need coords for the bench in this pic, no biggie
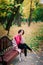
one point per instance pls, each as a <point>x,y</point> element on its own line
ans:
<point>7,54</point>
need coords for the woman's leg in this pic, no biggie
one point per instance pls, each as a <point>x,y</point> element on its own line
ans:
<point>20,57</point>
<point>22,46</point>
<point>25,52</point>
<point>27,47</point>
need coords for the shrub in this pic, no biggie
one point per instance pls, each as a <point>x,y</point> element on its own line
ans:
<point>38,14</point>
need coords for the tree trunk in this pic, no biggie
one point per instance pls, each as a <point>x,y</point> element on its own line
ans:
<point>9,23</point>
<point>18,16</point>
<point>8,33</point>
<point>30,16</point>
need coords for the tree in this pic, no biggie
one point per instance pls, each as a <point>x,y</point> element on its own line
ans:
<point>38,14</point>
<point>18,14</point>
<point>36,2</point>
<point>11,10</point>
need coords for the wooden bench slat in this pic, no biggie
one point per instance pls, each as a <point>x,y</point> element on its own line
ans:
<point>11,56</point>
<point>8,54</point>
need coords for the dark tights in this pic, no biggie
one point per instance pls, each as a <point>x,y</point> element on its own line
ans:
<point>25,47</point>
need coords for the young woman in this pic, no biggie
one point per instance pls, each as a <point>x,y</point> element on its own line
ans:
<point>20,42</point>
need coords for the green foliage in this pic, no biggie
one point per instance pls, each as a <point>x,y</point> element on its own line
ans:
<point>35,41</point>
<point>34,44</point>
<point>8,9</point>
<point>8,12</point>
<point>20,1</point>
<point>5,12</point>
<point>38,14</point>
<point>23,19</point>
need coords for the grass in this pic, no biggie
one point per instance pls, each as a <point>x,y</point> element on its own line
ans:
<point>33,34</point>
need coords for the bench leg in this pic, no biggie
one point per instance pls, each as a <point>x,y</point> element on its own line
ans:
<point>3,63</point>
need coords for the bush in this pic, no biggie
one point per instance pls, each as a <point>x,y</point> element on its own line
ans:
<point>38,14</point>
<point>34,44</point>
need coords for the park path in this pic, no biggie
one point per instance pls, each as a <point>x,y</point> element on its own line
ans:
<point>32,59</point>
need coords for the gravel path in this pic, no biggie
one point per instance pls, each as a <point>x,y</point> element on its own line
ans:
<point>32,59</point>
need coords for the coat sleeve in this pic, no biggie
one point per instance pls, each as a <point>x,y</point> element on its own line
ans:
<point>14,42</point>
<point>22,40</point>
<point>15,47</point>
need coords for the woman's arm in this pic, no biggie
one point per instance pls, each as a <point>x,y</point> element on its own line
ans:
<point>22,40</point>
<point>14,43</point>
